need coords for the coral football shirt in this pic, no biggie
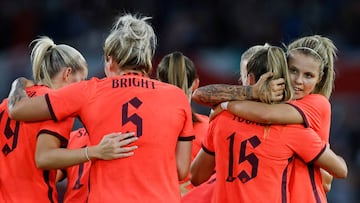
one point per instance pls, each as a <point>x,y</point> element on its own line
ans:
<point>20,179</point>
<point>253,161</point>
<point>306,182</point>
<point>158,113</point>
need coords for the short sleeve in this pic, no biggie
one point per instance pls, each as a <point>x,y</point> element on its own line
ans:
<point>304,142</point>
<point>69,100</point>
<point>60,130</point>
<point>316,111</point>
<point>208,140</point>
<point>187,133</point>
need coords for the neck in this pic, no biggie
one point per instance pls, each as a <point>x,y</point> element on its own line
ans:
<point>132,72</point>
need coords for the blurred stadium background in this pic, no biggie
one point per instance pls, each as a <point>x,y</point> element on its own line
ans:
<point>213,34</point>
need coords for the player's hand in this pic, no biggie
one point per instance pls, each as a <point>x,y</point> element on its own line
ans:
<point>256,94</point>
<point>116,145</point>
<point>277,87</point>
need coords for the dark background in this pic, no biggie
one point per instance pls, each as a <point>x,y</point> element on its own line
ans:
<point>213,34</point>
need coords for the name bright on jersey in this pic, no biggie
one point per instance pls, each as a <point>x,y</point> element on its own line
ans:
<point>133,82</point>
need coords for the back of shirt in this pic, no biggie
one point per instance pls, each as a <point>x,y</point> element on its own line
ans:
<point>20,179</point>
<point>158,113</point>
<point>253,161</point>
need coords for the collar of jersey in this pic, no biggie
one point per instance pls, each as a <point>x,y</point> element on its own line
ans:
<point>133,73</point>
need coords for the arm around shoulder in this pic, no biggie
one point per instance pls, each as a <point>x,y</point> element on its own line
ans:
<point>23,108</point>
<point>211,95</point>
<point>265,113</point>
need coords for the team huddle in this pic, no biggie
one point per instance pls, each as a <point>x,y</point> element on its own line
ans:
<point>265,140</point>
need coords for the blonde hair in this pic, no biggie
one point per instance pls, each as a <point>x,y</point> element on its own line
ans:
<point>178,70</point>
<point>245,58</point>
<point>252,50</point>
<point>272,59</point>
<point>323,50</point>
<point>48,59</point>
<point>132,43</point>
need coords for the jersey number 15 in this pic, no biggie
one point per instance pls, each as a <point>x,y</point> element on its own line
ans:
<point>251,158</point>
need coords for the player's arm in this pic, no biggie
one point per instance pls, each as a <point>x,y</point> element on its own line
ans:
<point>21,107</point>
<point>263,113</point>
<point>327,179</point>
<point>183,158</point>
<point>332,163</point>
<point>212,95</point>
<point>202,167</point>
<point>49,155</point>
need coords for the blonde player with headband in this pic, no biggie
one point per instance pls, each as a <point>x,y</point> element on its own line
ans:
<point>311,68</point>
<point>248,169</point>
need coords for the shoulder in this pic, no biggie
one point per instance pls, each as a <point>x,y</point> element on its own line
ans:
<point>84,86</point>
<point>202,117</point>
<point>313,101</point>
<point>176,93</point>
<point>37,90</point>
<point>91,81</point>
<point>224,116</point>
<point>168,86</point>
<point>314,98</point>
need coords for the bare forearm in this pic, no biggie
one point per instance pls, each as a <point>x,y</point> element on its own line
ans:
<point>62,158</point>
<point>201,168</point>
<point>212,95</point>
<point>113,146</point>
<point>343,173</point>
<point>183,158</point>
<point>265,113</point>
<point>332,163</point>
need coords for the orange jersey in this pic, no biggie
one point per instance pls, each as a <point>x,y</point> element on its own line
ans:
<point>158,113</point>
<point>78,175</point>
<point>20,179</point>
<point>306,182</point>
<point>253,159</point>
<point>200,130</point>
<point>201,193</point>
